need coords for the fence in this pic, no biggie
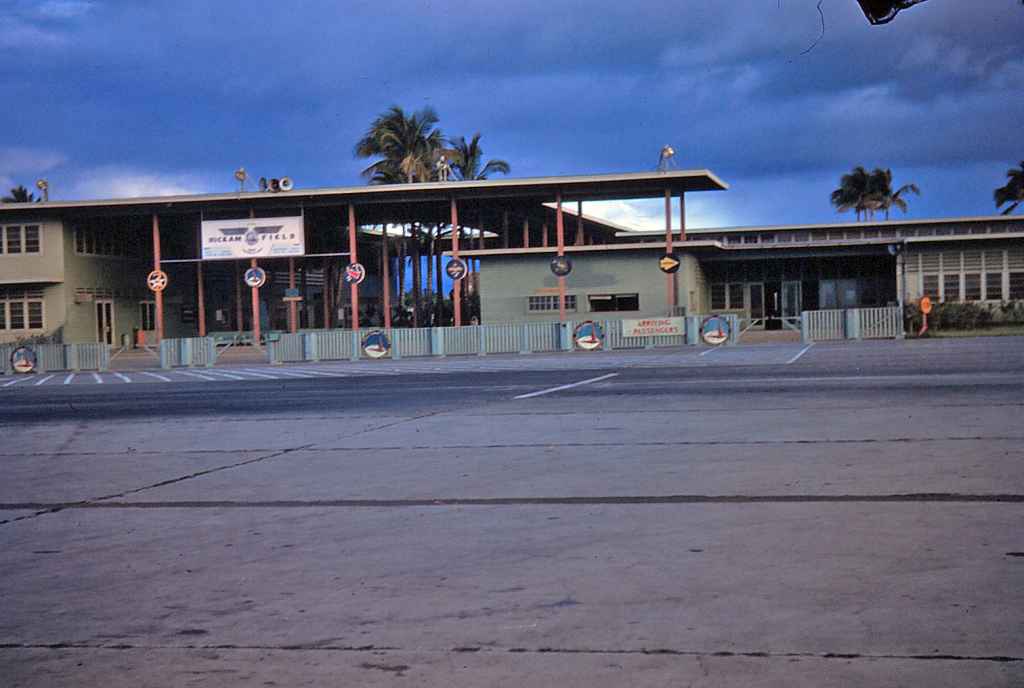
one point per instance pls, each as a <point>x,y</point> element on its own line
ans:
<point>54,357</point>
<point>852,323</point>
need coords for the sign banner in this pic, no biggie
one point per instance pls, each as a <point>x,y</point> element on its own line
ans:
<point>654,327</point>
<point>261,237</point>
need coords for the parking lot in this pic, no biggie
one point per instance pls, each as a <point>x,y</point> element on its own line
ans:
<point>782,515</point>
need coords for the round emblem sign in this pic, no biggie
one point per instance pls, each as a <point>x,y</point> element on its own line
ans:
<point>456,269</point>
<point>255,277</point>
<point>669,263</point>
<point>376,344</point>
<point>714,330</point>
<point>561,266</point>
<point>588,335</point>
<point>156,280</point>
<point>925,305</point>
<point>355,273</point>
<point>23,360</point>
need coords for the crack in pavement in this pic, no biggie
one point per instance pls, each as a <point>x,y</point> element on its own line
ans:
<point>321,647</point>
<point>913,497</point>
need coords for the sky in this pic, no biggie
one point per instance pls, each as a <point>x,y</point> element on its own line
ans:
<point>121,98</point>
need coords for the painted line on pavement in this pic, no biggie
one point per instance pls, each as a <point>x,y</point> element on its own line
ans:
<point>69,378</point>
<point>99,380</point>
<point>220,374</point>
<point>158,377</point>
<point>286,373</point>
<point>705,353</point>
<point>123,377</point>
<point>801,353</point>
<point>201,377</point>
<point>562,387</point>
<point>43,380</point>
<point>14,381</point>
<point>252,372</point>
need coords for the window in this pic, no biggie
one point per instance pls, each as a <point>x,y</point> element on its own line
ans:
<point>951,287</point>
<point>1016,285</point>
<point>994,286</point>
<point>736,300</point>
<point>147,314</point>
<point>540,304</point>
<point>21,309</point>
<point>32,239</point>
<point>717,297</point>
<point>13,239</point>
<point>972,287</point>
<point>91,241</point>
<point>614,302</point>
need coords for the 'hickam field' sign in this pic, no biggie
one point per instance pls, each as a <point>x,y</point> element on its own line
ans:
<point>654,327</point>
<point>261,237</point>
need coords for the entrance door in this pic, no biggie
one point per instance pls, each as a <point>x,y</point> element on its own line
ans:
<point>772,305</point>
<point>756,301</point>
<point>791,299</point>
<point>105,322</point>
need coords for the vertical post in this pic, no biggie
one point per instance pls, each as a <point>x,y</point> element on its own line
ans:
<point>201,295</point>
<point>544,235</point>
<point>579,223</point>
<point>504,228</point>
<point>255,310</point>
<point>670,281</point>
<point>560,239</point>
<point>293,306</point>
<point>238,297</point>
<point>158,295</point>
<point>526,232</point>
<point>353,258</point>
<point>386,279</point>
<point>682,216</point>
<point>457,287</point>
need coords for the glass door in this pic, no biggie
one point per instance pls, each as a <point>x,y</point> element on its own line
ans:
<point>105,322</point>
<point>756,301</point>
<point>790,299</point>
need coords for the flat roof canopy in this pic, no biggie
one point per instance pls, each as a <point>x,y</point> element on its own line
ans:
<point>397,202</point>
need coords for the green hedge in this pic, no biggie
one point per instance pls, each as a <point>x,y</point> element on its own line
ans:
<point>966,316</point>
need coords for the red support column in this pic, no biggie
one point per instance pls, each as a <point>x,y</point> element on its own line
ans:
<point>526,232</point>
<point>353,258</point>
<point>504,228</point>
<point>457,288</point>
<point>201,294</point>
<point>158,295</point>
<point>239,318</point>
<point>255,310</point>
<point>670,280</point>
<point>579,223</point>
<point>560,239</point>
<point>293,306</point>
<point>386,279</point>
<point>544,239</point>
<point>682,216</point>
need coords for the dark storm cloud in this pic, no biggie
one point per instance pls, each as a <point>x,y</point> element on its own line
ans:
<point>196,88</point>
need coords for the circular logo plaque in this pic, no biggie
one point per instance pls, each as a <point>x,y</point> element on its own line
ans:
<point>355,273</point>
<point>588,335</point>
<point>156,280</point>
<point>715,330</point>
<point>255,277</point>
<point>376,344</point>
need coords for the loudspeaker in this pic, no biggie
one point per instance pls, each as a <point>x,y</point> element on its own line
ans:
<point>286,184</point>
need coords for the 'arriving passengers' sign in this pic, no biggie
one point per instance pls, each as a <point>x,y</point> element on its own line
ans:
<point>653,327</point>
<point>261,237</point>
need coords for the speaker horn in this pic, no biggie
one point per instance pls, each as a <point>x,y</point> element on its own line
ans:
<point>287,184</point>
<point>275,184</point>
<point>263,184</point>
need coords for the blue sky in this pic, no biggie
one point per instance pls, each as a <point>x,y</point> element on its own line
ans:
<point>109,98</point>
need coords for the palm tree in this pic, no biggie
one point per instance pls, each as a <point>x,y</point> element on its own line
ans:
<point>853,191</point>
<point>19,194</point>
<point>405,144</point>
<point>1013,192</point>
<point>468,158</point>
<point>881,194</point>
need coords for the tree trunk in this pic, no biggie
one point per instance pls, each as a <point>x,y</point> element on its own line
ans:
<point>430,271</point>
<point>402,247</point>
<point>439,276</point>
<point>416,275</point>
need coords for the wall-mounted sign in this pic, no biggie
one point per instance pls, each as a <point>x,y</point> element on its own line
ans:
<point>654,327</point>
<point>355,273</point>
<point>156,280</point>
<point>715,330</point>
<point>23,360</point>
<point>265,237</point>
<point>255,277</point>
<point>588,335</point>
<point>561,266</point>
<point>925,305</point>
<point>292,295</point>
<point>669,263</point>
<point>376,344</point>
<point>456,269</point>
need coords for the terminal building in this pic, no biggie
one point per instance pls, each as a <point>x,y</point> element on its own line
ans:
<point>76,271</point>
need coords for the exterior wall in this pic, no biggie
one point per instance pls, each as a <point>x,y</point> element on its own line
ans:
<point>692,285</point>
<point>946,272</point>
<point>507,282</point>
<point>43,271</point>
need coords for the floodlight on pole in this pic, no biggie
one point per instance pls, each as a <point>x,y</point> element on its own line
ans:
<point>44,187</point>
<point>241,175</point>
<point>666,159</point>
<point>884,11</point>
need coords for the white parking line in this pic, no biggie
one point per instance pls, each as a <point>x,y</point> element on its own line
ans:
<point>14,381</point>
<point>253,372</point>
<point>569,386</point>
<point>219,373</point>
<point>705,353</point>
<point>43,380</point>
<point>99,380</point>
<point>158,377</point>
<point>801,353</point>
<point>304,372</point>
<point>289,373</point>
<point>201,377</point>
<point>69,378</point>
<point>123,377</point>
